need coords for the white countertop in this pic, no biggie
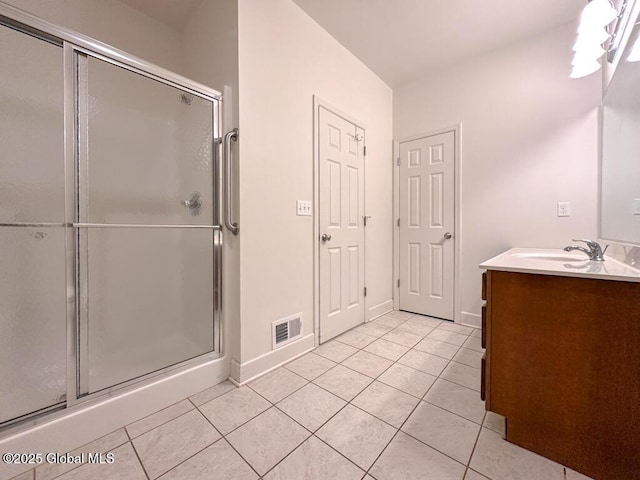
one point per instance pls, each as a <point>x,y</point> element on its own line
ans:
<point>551,261</point>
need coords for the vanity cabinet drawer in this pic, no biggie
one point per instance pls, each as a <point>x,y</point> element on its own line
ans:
<point>484,285</point>
<point>484,326</point>
<point>483,378</point>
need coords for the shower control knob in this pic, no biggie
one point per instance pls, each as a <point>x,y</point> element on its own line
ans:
<point>193,203</point>
<point>326,237</point>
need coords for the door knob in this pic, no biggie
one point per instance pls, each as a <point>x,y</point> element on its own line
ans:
<point>326,237</point>
<point>447,236</point>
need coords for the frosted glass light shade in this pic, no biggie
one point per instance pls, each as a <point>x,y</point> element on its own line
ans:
<point>584,66</point>
<point>583,59</point>
<point>590,50</point>
<point>634,56</point>
<point>597,13</point>
<point>588,39</point>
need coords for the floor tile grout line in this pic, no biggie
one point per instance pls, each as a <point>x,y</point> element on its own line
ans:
<point>475,444</point>
<point>224,437</point>
<point>240,455</point>
<point>135,451</point>
<point>345,358</point>
<point>377,378</point>
<point>313,433</point>
<point>453,413</point>
<point>189,458</point>
<point>313,381</point>
<point>190,397</point>
<point>423,399</point>
<point>344,399</point>
<point>243,423</point>
<point>196,453</point>
<point>82,446</point>
<point>440,451</point>
<point>248,385</point>
<point>378,418</point>
<point>158,411</point>
<point>399,429</point>
<point>288,454</point>
<point>157,426</point>
<point>341,454</point>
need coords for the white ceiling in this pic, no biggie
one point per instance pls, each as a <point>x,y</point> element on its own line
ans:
<point>174,13</point>
<point>403,40</point>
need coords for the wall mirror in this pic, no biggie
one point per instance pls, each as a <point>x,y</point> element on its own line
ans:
<point>620,188</point>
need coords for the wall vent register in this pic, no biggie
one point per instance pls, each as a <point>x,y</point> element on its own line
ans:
<point>286,330</point>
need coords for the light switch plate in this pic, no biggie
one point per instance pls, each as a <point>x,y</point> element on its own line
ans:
<point>303,208</point>
<point>564,209</point>
<point>636,206</point>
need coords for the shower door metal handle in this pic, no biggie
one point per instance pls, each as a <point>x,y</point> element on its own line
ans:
<point>228,191</point>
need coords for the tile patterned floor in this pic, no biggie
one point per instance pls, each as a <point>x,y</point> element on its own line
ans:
<point>397,398</point>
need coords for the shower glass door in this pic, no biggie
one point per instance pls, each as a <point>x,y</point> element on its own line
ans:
<point>146,224</point>
<point>33,323</point>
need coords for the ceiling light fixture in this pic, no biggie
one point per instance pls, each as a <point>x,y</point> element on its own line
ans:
<point>634,56</point>
<point>592,34</point>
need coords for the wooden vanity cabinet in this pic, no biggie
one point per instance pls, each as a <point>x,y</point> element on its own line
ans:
<point>562,364</point>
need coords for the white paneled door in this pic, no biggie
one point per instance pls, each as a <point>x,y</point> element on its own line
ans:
<point>426,225</point>
<point>341,232</point>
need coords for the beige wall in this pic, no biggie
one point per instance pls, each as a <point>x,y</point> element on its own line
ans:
<point>114,23</point>
<point>286,59</point>
<point>210,44</point>
<point>529,140</point>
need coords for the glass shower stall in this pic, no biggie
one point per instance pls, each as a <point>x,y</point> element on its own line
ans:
<point>110,239</point>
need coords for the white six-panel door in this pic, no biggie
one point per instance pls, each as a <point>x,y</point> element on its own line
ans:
<point>426,196</point>
<point>341,233</point>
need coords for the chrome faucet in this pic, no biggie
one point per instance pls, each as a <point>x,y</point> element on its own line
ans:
<point>594,250</point>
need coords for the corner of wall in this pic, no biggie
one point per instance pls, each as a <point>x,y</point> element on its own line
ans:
<point>242,373</point>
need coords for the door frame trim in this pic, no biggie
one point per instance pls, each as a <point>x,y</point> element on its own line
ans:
<point>457,137</point>
<point>317,103</point>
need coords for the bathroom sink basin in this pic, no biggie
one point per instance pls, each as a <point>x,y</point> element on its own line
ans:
<point>555,261</point>
<point>550,257</point>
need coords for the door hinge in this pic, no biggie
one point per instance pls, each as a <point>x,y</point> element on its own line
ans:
<point>366,217</point>
<point>398,222</point>
<point>365,150</point>
<point>398,161</point>
<point>365,291</point>
<point>398,283</point>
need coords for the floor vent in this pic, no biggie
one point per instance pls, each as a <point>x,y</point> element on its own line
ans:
<point>286,330</point>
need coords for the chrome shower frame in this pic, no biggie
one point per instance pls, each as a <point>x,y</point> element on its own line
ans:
<point>75,45</point>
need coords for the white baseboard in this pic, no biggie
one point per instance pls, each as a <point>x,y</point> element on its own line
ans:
<point>471,319</point>
<point>81,424</point>
<point>379,310</point>
<point>247,371</point>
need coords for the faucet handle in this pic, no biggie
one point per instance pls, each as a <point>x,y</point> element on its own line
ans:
<point>595,250</point>
<point>590,243</point>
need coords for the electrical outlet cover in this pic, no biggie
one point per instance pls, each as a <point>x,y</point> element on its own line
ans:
<point>564,209</point>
